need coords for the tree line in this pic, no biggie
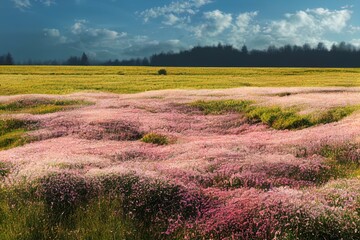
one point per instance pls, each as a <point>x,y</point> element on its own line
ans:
<point>339,55</point>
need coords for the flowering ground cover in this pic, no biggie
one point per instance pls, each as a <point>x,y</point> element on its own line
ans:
<point>187,164</point>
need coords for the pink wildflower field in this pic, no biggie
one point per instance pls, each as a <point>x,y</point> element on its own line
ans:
<point>245,180</point>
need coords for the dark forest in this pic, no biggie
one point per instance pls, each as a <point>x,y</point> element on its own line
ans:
<point>339,55</point>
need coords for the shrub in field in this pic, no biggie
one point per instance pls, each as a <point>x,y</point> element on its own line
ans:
<point>162,72</point>
<point>155,138</point>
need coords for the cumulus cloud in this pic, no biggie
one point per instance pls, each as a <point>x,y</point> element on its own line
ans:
<point>308,26</point>
<point>22,4</point>
<point>55,35</point>
<point>244,29</point>
<point>244,21</point>
<point>47,2</point>
<point>81,31</point>
<point>104,43</point>
<point>25,4</point>
<point>216,23</point>
<point>300,27</point>
<point>176,21</point>
<point>174,9</point>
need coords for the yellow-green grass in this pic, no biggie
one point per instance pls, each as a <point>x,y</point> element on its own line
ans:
<point>39,106</point>
<point>275,117</point>
<point>65,79</point>
<point>13,131</point>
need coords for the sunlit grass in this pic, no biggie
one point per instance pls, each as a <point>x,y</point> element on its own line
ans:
<point>39,106</point>
<point>275,117</point>
<point>155,138</point>
<point>63,80</point>
<point>13,131</point>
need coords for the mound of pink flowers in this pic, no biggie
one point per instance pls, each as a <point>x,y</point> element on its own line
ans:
<point>219,176</point>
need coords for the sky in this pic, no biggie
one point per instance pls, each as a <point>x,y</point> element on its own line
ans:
<point>123,29</point>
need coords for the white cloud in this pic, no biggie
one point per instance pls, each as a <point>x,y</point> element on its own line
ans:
<point>54,34</point>
<point>22,4</point>
<point>244,29</point>
<point>355,42</point>
<point>171,19</point>
<point>25,4</point>
<point>308,26</point>
<point>104,43</point>
<point>174,8</point>
<point>216,22</point>
<point>244,20</point>
<point>353,29</point>
<point>83,32</point>
<point>300,27</point>
<point>47,2</point>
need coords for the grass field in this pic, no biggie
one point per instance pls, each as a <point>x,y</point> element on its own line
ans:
<point>281,161</point>
<point>63,80</point>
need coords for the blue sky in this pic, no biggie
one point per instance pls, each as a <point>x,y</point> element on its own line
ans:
<point>54,29</point>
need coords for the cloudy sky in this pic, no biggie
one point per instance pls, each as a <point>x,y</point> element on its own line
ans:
<point>54,29</point>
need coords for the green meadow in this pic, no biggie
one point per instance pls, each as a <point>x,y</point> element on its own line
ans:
<point>64,79</point>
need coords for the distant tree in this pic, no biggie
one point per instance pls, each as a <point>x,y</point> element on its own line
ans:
<point>9,59</point>
<point>272,49</point>
<point>6,59</point>
<point>84,60</point>
<point>321,47</point>
<point>145,62</point>
<point>306,47</point>
<point>73,60</point>
<point>244,50</point>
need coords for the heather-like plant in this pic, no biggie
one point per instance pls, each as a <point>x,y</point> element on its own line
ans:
<point>152,202</point>
<point>155,138</point>
<point>348,153</point>
<point>64,192</point>
<point>112,130</point>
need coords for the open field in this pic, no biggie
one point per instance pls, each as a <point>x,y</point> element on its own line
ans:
<point>65,80</point>
<point>242,163</point>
